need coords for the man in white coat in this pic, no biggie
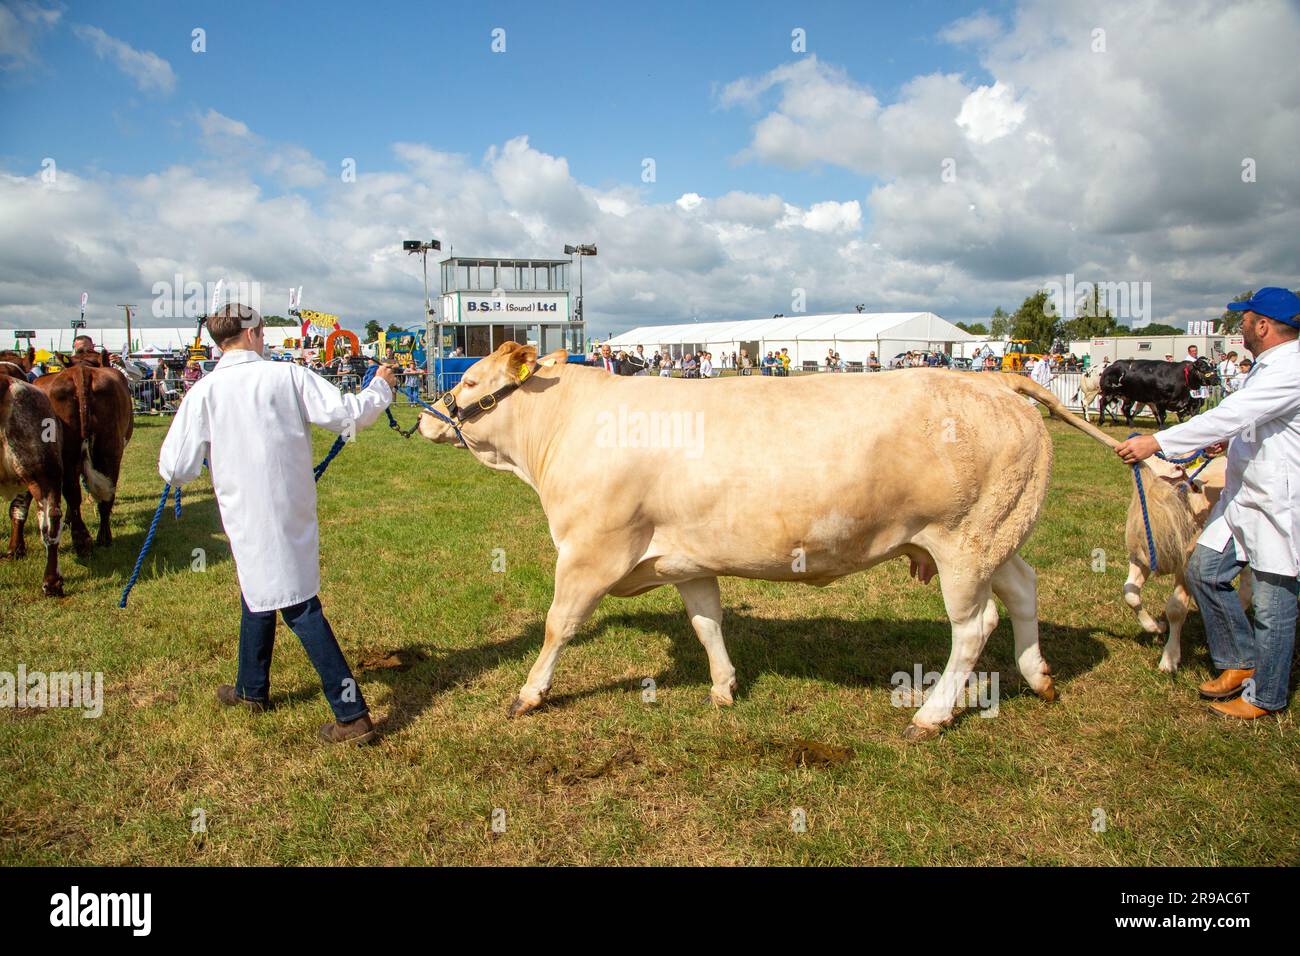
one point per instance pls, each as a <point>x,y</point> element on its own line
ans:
<point>1257,519</point>
<point>251,419</point>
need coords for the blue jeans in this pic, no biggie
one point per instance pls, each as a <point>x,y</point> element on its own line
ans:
<point>1235,642</point>
<point>307,620</point>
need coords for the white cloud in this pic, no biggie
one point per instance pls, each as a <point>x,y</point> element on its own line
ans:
<point>22,24</point>
<point>990,113</point>
<point>977,28</point>
<point>150,72</point>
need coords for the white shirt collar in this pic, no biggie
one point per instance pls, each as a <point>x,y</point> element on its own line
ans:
<point>1263,358</point>
<point>238,357</point>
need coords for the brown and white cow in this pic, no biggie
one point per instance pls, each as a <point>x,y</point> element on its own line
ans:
<point>31,464</point>
<point>94,406</point>
<point>804,479</point>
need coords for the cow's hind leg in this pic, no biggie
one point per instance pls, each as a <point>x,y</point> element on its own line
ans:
<point>18,524</point>
<point>1016,584</point>
<point>967,600</point>
<point>1176,612</point>
<point>51,522</point>
<point>703,603</point>
<point>81,540</point>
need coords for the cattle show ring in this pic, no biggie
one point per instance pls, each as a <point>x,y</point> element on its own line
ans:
<point>994,680</point>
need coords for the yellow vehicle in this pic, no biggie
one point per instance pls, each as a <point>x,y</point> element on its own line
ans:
<point>1018,355</point>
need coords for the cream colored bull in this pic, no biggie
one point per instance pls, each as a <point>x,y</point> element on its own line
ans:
<point>649,481</point>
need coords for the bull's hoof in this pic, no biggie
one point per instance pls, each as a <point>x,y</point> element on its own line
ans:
<point>720,695</point>
<point>520,706</point>
<point>83,547</point>
<point>915,733</point>
<point>53,588</point>
<point>1048,693</point>
<point>1168,665</point>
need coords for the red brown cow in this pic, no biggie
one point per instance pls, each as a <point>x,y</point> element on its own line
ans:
<point>31,463</point>
<point>94,405</point>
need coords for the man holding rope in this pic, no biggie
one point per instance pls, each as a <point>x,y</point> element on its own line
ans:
<point>251,419</point>
<point>1257,517</point>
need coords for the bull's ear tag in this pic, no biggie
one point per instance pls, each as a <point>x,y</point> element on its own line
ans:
<point>524,371</point>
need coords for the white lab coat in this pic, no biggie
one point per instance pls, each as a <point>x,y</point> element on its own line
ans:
<point>1259,509</point>
<point>251,419</point>
<point>1042,373</point>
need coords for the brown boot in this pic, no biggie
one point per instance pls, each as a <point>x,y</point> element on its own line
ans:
<point>1239,708</point>
<point>226,694</point>
<point>359,731</point>
<point>1228,684</point>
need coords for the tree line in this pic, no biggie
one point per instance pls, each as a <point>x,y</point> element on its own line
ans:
<point>1036,321</point>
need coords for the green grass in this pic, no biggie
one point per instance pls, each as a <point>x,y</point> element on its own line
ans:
<point>598,776</point>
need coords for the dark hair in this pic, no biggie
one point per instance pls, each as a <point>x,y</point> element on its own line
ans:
<point>227,322</point>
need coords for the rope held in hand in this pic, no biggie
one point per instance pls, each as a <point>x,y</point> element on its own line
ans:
<point>1142,495</point>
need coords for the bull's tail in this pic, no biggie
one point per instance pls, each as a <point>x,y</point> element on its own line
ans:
<point>1031,389</point>
<point>100,486</point>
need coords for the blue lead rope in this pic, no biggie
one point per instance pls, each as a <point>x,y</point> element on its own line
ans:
<point>1142,496</point>
<point>148,539</point>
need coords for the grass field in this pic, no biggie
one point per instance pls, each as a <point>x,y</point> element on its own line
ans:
<point>441,643</point>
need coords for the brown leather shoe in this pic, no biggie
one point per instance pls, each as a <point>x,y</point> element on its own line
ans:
<point>1239,708</point>
<point>359,731</point>
<point>1228,684</point>
<point>226,694</point>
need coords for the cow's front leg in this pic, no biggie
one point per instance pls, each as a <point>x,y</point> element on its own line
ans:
<point>578,589</point>
<point>1176,613</point>
<point>703,603</point>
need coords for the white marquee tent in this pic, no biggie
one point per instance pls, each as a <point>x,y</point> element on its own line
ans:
<point>142,338</point>
<point>808,337</point>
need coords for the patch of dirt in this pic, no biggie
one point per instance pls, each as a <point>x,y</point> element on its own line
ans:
<point>555,772</point>
<point>399,660</point>
<point>811,753</point>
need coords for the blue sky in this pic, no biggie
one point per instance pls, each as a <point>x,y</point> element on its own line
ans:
<point>604,85</point>
<point>925,156</point>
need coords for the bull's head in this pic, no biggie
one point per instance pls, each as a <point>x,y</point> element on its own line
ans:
<point>1205,368</point>
<point>510,364</point>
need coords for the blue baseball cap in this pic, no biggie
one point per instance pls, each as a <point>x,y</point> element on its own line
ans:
<point>1282,305</point>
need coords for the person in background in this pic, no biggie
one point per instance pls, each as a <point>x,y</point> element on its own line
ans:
<point>1254,524</point>
<point>251,419</point>
<point>745,361</point>
<point>785,361</point>
<point>1227,368</point>
<point>706,365</point>
<point>1192,354</point>
<point>192,373</point>
<point>607,361</point>
<point>83,344</point>
<point>873,363</point>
